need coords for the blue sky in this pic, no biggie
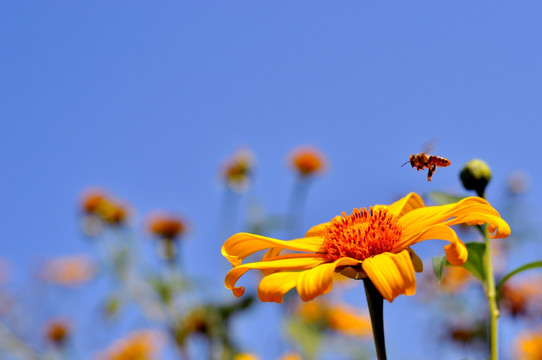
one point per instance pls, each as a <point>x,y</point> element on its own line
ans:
<point>146,99</point>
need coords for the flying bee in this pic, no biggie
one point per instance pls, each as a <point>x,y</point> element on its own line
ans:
<point>421,161</point>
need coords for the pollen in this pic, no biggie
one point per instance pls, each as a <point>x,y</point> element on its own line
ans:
<point>361,235</point>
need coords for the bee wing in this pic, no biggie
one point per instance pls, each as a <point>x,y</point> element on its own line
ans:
<point>430,145</point>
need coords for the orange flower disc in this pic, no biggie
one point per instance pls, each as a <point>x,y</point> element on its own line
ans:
<point>307,161</point>
<point>166,227</point>
<point>361,235</point>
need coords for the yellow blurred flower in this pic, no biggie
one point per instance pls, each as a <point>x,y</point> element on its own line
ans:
<point>372,243</point>
<point>237,171</point>
<point>529,346</point>
<point>57,332</point>
<point>307,161</point>
<point>139,345</point>
<point>69,270</point>
<point>246,356</point>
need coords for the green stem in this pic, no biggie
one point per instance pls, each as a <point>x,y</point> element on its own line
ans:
<point>375,302</point>
<point>492,299</point>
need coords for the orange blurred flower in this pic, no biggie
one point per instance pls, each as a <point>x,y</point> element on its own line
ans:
<point>96,202</point>
<point>139,345</point>
<point>307,161</point>
<point>57,332</point>
<point>237,171</point>
<point>291,356</point>
<point>455,278</point>
<point>166,226</point>
<point>339,317</point>
<point>246,356</point>
<point>372,243</point>
<point>529,346</point>
<point>523,297</point>
<point>69,270</point>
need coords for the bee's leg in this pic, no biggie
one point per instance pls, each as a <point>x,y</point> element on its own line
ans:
<point>430,172</point>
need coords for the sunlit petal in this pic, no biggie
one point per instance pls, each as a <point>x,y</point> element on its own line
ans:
<point>319,280</point>
<point>391,274</point>
<point>241,245</point>
<point>456,251</point>
<point>284,262</point>
<point>406,204</point>
<point>273,287</point>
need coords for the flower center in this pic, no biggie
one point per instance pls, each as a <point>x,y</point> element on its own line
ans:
<point>361,235</point>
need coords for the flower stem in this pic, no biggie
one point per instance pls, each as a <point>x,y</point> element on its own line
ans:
<point>375,302</point>
<point>492,299</point>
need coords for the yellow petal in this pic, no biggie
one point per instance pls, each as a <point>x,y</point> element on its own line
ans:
<point>392,274</point>
<point>497,227</point>
<point>456,251</point>
<point>477,209</point>
<point>408,203</point>
<point>319,280</point>
<point>284,262</point>
<point>241,245</point>
<point>273,287</point>
<point>316,230</point>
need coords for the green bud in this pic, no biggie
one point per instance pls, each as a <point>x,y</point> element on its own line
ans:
<point>475,176</point>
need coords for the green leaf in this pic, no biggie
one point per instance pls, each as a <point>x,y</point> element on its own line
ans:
<point>536,264</point>
<point>475,262</point>
<point>442,198</point>
<point>438,266</point>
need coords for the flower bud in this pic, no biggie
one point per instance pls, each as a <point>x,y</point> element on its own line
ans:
<point>475,176</point>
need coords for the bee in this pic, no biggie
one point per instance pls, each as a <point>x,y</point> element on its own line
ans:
<point>421,161</point>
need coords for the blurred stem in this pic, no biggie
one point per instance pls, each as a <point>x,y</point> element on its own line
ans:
<point>13,341</point>
<point>375,301</point>
<point>492,299</point>
<point>296,208</point>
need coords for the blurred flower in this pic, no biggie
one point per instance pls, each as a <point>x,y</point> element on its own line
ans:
<point>96,202</point>
<point>92,199</point>
<point>291,356</point>
<point>246,356</point>
<point>370,243</point>
<point>523,298</point>
<point>57,332</point>
<point>139,345</point>
<point>237,171</point>
<point>529,346</point>
<point>337,317</point>
<point>455,278</point>
<point>471,333</point>
<point>68,271</point>
<point>307,161</point>
<point>166,226</point>
<point>518,182</point>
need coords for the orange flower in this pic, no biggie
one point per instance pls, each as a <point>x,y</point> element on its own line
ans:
<point>69,271</point>
<point>57,332</point>
<point>96,202</point>
<point>291,356</point>
<point>238,170</point>
<point>338,317</point>
<point>521,297</point>
<point>246,356</point>
<point>166,226</point>
<point>307,161</point>
<point>529,346</point>
<point>140,345</point>
<point>372,243</point>
<point>455,278</point>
